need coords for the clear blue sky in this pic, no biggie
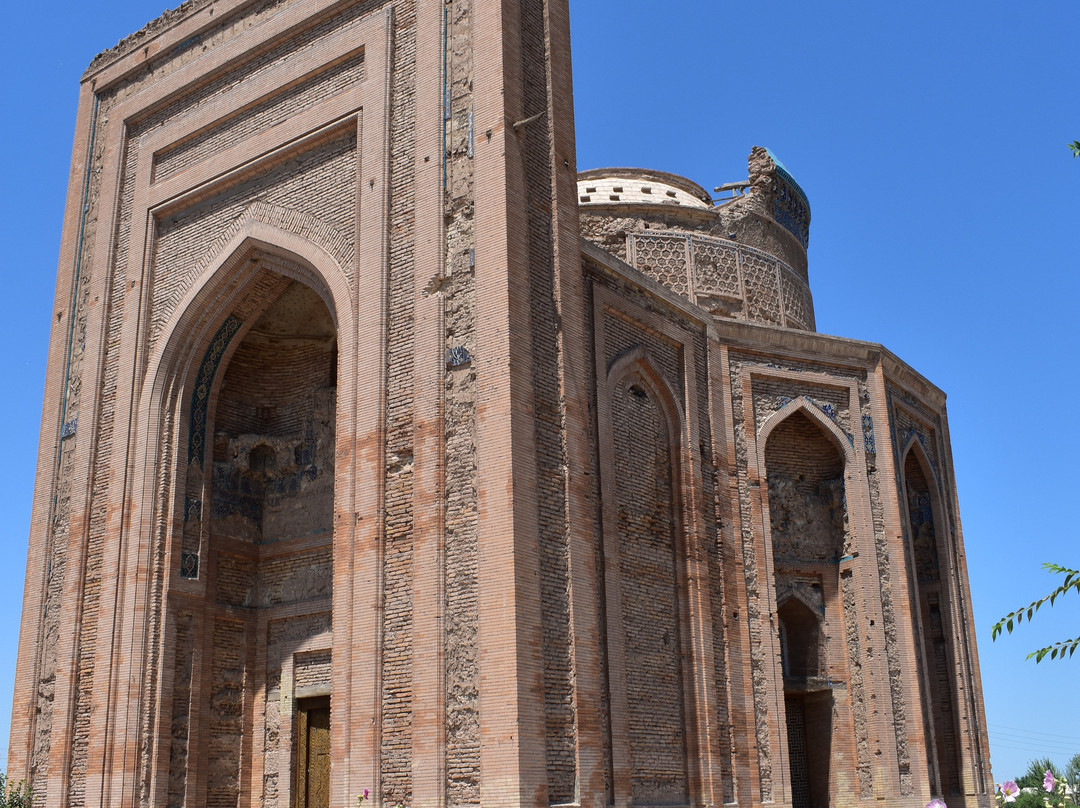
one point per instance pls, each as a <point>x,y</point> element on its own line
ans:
<point>930,139</point>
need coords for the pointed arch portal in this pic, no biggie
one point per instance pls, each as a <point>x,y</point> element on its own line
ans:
<point>249,588</point>
<point>808,524</point>
<point>932,607</point>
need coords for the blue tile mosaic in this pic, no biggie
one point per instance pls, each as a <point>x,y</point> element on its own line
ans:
<point>457,356</point>
<point>791,207</point>
<point>200,399</point>
<point>868,434</point>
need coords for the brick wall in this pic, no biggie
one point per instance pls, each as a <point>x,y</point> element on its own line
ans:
<point>651,620</point>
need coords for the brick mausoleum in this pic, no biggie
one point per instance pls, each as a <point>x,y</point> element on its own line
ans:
<point>383,450</point>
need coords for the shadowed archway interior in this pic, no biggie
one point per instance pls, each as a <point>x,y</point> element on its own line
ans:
<point>808,516</point>
<point>254,619</point>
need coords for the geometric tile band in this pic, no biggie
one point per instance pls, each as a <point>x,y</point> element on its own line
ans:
<point>201,397</point>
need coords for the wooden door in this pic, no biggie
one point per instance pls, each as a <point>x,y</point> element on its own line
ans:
<point>313,754</point>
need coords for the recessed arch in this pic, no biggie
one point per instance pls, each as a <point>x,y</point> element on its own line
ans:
<point>797,594</point>
<point>644,552</point>
<point>637,360</point>
<point>932,603</point>
<point>254,270</point>
<point>803,405</point>
<point>805,461</point>
<point>206,302</point>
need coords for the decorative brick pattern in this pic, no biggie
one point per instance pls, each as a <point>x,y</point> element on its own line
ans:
<point>201,397</point>
<point>665,259</point>
<point>760,277</point>
<point>727,278</point>
<point>235,129</point>
<point>319,183</point>
<point>792,209</point>
<point>796,728</point>
<point>716,268</point>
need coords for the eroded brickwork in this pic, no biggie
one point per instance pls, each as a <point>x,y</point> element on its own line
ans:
<point>759,662</point>
<point>226,725</point>
<point>181,707</point>
<point>462,675</point>
<point>398,564</point>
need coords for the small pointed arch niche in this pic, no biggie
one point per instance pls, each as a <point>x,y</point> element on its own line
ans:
<point>923,511</point>
<point>802,637</point>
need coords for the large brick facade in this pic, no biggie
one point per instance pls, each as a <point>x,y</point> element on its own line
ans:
<point>384,452</point>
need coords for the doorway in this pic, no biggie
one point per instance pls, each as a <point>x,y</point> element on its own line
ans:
<point>313,753</point>
<point>796,728</point>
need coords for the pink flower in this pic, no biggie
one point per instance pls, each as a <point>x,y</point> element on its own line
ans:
<point>1009,790</point>
<point>365,793</point>
<point>1049,782</point>
<point>936,804</point>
